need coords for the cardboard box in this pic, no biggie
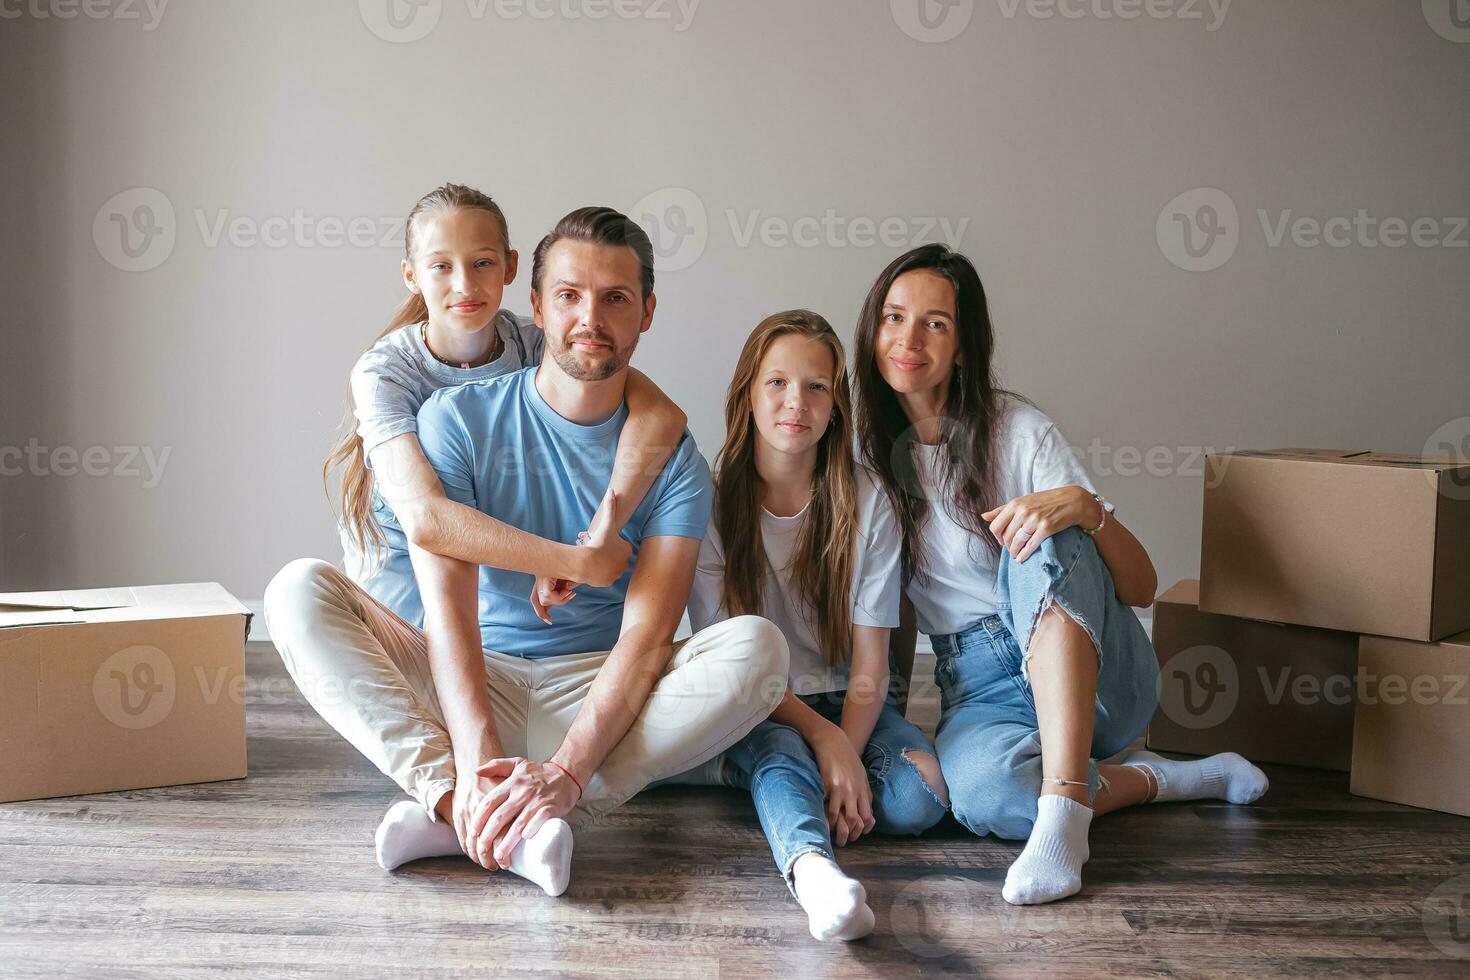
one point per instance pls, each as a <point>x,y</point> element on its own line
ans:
<point>109,689</point>
<point>1413,726</point>
<point>1270,691</point>
<point>1355,541</point>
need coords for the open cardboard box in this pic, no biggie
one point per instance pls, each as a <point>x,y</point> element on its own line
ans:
<point>110,689</point>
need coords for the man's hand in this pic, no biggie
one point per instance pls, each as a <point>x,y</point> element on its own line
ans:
<point>845,779</point>
<point>525,795</point>
<point>470,791</point>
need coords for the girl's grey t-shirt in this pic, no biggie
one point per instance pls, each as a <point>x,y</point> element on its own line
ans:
<point>390,383</point>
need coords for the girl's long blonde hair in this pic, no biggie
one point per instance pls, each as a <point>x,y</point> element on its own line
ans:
<point>357,480</point>
<point>825,555</point>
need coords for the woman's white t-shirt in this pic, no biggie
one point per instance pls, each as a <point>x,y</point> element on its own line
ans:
<point>875,585</point>
<point>958,588</point>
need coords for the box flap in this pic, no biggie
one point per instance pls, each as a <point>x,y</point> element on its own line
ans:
<point>1185,592</point>
<point>1356,457</point>
<point>120,605</point>
<point>69,599</point>
<point>13,616</point>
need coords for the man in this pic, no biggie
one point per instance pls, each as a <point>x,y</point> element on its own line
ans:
<point>501,724</point>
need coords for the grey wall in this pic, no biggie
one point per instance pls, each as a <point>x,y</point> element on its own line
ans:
<point>1057,140</point>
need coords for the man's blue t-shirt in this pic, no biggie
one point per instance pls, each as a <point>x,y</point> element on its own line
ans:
<point>499,448</point>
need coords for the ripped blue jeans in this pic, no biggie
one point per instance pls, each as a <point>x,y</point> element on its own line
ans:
<point>778,767</point>
<point>988,739</point>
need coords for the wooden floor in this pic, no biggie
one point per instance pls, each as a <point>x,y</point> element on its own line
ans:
<point>274,876</point>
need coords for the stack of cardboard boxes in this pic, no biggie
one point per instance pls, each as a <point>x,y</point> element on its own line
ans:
<point>1330,626</point>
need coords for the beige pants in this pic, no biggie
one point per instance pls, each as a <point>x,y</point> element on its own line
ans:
<point>366,672</point>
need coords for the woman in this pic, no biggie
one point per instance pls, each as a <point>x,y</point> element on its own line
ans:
<point>1022,576</point>
<point>801,536</point>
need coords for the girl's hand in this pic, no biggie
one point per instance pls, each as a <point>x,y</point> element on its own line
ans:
<point>1025,522</point>
<point>845,779</point>
<point>608,552</point>
<point>470,792</point>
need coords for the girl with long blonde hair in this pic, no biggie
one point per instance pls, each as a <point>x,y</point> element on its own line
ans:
<point>803,537</point>
<point>451,330</point>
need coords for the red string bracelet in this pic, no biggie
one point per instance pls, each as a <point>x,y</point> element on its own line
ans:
<point>553,762</point>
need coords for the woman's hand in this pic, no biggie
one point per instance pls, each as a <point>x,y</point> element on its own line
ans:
<point>845,779</point>
<point>1025,522</point>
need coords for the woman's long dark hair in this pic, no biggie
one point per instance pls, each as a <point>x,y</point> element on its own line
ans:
<point>972,407</point>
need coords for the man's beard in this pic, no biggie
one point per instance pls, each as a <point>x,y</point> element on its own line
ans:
<point>566,358</point>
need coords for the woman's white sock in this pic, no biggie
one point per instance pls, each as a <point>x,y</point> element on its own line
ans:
<point>1050,866</point>
<point>836,906</point>
<point>1226,776</point>
<point>408,834</point>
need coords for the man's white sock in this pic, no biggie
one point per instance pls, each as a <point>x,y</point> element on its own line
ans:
<point>408,834</point>
<point>836,906</point>
<point>1050,865</point>
<point>1226,776</point>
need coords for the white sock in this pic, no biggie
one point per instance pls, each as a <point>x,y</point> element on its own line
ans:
<point>836,906</point>
<point>1226,776</point>
<point>1050,866</point>
<point>407,834</point>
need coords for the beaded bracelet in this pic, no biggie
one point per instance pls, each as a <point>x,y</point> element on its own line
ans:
<point>1103,506</point>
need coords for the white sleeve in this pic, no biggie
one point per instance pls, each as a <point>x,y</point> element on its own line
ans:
<point>709,583</point>
<point>1055,465</point>
<point>876,586</point>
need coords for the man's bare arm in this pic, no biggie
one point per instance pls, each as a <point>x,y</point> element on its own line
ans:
<point>657,595</point>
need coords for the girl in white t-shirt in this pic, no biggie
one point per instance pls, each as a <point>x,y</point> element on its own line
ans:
<point>451,330</point>
<point>1022,577</point>
<point>803,537</point>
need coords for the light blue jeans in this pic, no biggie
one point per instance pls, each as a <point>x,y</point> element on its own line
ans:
<point>778,767</point>
<point>988,740</point>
